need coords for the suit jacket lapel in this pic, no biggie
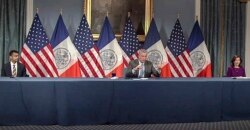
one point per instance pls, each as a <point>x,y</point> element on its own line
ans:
<point>18,69</point>
<point>146,68</point>
<point>136,64</point>
<point>8,69</point>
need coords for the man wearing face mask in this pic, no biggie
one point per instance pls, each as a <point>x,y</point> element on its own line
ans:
<point>141,67</point>
<point>13,68</point>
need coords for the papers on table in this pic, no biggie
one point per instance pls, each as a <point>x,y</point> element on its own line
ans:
<point>240,77</point>
<point>140,79</point>
<point>114,77</point>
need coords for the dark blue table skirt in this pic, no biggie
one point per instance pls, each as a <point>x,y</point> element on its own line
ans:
<point>83,102</point>
<point>45,101</point>
<point>236,100</point>
<point>161,102</point>
<point>27,102</point>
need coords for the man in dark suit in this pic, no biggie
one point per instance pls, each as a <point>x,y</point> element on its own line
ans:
<point>13,68</point>
<point>142,68</point>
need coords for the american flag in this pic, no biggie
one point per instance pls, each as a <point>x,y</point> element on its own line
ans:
<point>37,54</point>
<point>129,43</point>
<point>90,60</point>
<point>179,57</point>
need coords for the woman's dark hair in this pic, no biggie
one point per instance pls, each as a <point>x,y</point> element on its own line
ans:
<point>12,51</point>
<point>234,58</point>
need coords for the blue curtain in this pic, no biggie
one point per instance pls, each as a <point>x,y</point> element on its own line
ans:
<point>223,25</point>
<point>12,27</point>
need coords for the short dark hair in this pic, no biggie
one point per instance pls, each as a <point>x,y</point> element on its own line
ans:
<point>234,58</point>
<point>13,51</point>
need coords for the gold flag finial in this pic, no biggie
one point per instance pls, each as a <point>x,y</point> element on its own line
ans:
<point>129,14</point>
<point>196,18</point>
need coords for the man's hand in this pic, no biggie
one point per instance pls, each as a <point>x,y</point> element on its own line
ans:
<point>137,67</point>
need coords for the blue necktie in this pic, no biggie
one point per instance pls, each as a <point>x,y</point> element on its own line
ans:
<point>141,71</point>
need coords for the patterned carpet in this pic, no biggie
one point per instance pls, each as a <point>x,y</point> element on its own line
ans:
<point>232,125</point>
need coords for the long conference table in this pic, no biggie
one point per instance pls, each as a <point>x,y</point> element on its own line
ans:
<point>68,101</point>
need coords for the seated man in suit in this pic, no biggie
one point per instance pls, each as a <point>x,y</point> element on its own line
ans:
<point>13,68</point>
<point>141,67</point>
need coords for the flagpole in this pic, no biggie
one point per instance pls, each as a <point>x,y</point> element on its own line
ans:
<point>196,17</point>
<point>153,14</point>
<point>37,10</point>
<point>129,14</point>
<point>178,15</point>
<point>61,12</point>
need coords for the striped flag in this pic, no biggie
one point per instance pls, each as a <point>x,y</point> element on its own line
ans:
<point>65,52</point>
<point>110,51</point>
<point>156,52</point>
<point>200,56</point>
<point>90,61</point>
<point>129,43</point>
<point>37,54</point>
<point>178,56</point>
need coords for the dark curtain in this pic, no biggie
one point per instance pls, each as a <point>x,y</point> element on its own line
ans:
<point>12,27</point>
<point>223,25</point>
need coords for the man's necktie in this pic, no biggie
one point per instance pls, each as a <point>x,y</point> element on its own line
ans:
<point>14,73</point>
<point>141,71</point>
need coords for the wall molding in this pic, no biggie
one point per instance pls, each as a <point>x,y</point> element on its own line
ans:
<point>29,15</point>
<point>197,10</point>
<point>247,45</point>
